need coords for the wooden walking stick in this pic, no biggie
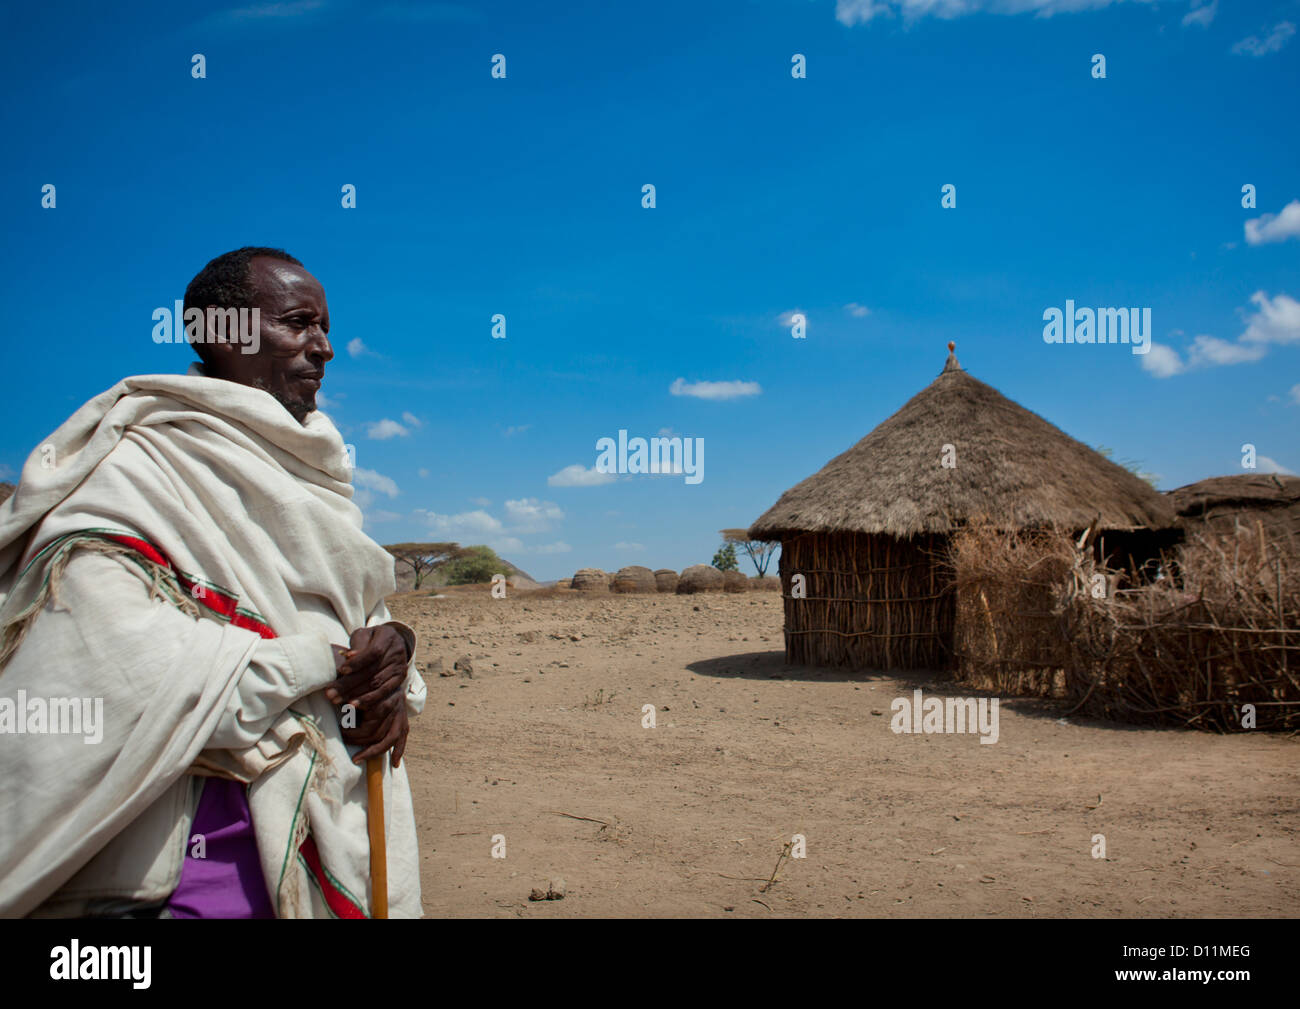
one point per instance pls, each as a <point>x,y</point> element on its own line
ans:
<point>378,851</point>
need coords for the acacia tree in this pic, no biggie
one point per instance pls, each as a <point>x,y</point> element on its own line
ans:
<point>422,558</point>
<point>758,551</point>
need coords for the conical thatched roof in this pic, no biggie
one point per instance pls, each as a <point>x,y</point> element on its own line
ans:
<point>1224,502</point>
<point>1012,467</point>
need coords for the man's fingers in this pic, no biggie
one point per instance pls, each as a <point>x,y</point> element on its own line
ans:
<point>373,721</point>
<point>370,732</point>
<point>394,738</point>
<point>355,686</point>
<point>392,686</point>
<point>383,746</point>
<point>377,645</point>
<point>400,748</point>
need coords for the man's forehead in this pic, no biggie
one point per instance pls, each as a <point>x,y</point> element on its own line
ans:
<point>277,279</point>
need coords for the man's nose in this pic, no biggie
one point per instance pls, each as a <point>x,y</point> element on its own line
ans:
<point>320,346</point>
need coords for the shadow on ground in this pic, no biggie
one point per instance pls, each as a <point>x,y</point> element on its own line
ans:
<point>771,665</point>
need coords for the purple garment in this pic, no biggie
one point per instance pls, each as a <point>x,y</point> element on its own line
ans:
<point>228,883</point>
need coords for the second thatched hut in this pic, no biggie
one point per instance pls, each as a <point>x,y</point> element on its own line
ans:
<point>1267,503</point>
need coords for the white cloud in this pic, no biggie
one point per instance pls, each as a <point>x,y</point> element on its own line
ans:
<point>1276,320</point>
<point>853,12</point>
<point>482,502</point>
<point>629,546</point>
<point>1274,227</point>
<point>856,310</point>
<point>517,429</point>
<point>1163,361</point>
<point>375,481</point>
<point>356,348</point>
<point>522,517</point>
<point>578,475</point>
<point>384,429</point>
<point>714,390</point>
<point>424,473</point>
<point>412,420</point>
<point>382,516</point>
<point>462,525</point>
<point>1266,465</point>
<point>1271,43</point>
<point>1208,351</point>
<point>1201,13</point>
<point>1205,352</point>
<point>529,515</point>
<point>5,472</point>
<point>324,402</point>
<point>1295,397</point>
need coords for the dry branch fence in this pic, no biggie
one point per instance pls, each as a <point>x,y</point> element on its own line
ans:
<point>1218,629</point>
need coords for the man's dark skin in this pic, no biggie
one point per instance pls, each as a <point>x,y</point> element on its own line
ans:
<point>290,365</point>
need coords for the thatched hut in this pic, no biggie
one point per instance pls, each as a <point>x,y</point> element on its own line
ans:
<point>699,578</point>
<point>734,581</point>
<point>590,580</point>
<point>634,578</point>
<point>1252,501</point>
<point>666,580</point>
<point>868,532</point>
<point>6,491</point>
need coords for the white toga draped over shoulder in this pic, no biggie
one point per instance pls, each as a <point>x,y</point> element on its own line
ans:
<point>235,527</point>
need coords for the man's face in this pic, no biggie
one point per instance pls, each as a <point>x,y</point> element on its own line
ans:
<point>290,361</point>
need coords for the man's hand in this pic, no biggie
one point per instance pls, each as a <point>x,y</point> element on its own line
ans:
<point>372,678</point>
<point>378,732</point>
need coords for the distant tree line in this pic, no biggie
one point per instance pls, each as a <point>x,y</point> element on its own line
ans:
<point>459,565</point>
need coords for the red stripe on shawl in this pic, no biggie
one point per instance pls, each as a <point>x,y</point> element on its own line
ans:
<point>338,903</point>
<point>219,602</point>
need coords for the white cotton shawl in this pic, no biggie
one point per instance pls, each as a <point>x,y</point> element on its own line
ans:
<point>240,497</point>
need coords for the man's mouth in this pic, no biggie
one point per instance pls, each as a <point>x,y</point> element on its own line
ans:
<point>312,378</point>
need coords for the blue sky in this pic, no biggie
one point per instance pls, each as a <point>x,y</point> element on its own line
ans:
<point>774,195</point>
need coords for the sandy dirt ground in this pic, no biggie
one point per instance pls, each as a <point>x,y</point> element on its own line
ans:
<point>689,818</point>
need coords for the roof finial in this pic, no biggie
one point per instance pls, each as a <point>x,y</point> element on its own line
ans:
<point>952,346</point>
<point>951,364</point>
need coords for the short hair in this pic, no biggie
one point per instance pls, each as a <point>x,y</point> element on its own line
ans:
<point>227,283</point>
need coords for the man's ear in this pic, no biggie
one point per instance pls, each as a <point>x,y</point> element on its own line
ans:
<point>218,351</point>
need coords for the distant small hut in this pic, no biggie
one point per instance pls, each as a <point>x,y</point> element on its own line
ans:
<point>868,532</point>
<point>634,578</point>
<point>666,580</point>
<point>590,580</point>
<point>700,578</point>
<point>1249,502</point>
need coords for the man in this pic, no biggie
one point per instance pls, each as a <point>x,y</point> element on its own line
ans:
<point>196,659</point>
